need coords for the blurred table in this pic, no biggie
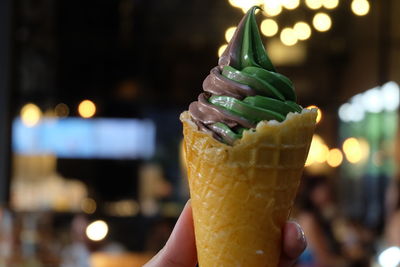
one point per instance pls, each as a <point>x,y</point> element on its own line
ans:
<point>102,259</point>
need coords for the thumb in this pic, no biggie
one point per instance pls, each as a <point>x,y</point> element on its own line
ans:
<point>180,249</point>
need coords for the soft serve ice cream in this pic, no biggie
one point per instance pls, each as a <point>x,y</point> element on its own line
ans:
<point>243,182</point>
<point>243,89</point>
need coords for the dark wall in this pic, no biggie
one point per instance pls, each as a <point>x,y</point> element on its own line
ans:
<point>5,83</point>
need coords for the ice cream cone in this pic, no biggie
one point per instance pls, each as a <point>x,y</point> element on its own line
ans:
<point>242,195</point>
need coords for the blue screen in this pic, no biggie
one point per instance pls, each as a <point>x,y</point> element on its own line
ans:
<point>86,138</point>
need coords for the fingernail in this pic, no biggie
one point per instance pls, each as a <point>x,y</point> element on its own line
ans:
<point>300,233</point>
<point>187,202</point>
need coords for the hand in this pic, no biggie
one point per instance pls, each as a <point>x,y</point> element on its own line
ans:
<point>180,249</point>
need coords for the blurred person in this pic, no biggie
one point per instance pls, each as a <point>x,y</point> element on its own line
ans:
<point>6,237</point>
<point>77,253</point>
<point>392,228</point>
<point>180,249</point>
<point>315,213</point>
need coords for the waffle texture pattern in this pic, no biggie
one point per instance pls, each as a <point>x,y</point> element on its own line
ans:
<point>242,195</point>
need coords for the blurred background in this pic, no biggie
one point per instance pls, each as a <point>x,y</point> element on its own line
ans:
<point>90,138</point>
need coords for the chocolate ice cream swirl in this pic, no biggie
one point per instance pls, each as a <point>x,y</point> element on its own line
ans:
<point>243,89</point>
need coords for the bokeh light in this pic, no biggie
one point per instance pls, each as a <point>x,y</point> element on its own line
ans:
<point>319,112</point>
<point>245,4</point>
<point>318,151</point>
<point>390,92</point>
<point>288,37</point>
<point>390,257</point>
<point>269,27</point>
<point>88,205</point>
<point>335,157</point>
<point>314,4</point>
<point>330,4</point>
<point>360,7</point>
<point>97,230</point>
<point>352,150</point>
<point>272,8</point>
<point>221,49</point>
<point>290,4</point>
<point>323,152</point>
<point>372,100</point>
<point>322,22</point>
<point>30,115</point>
<point>229,33</point>
<point>302,30</point>
<point>87,109</point>
<point>61,110</point>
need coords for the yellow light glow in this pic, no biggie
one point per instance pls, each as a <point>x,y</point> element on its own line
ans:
<point>229,33</point>
<point>245,4</point>
<point>61,110</point>
<point>314,4</point>
<point>235,3</point>
<point>352,150</point>
<point>288,37</point>
<point>360,7</point>
<point>322,22</point>
<point>323,152</point>
<point>290,4</point>
<point>302,30</point>
<point>309,160</point>
<point>88,205</point>
<point>221,49</point>
<point>330,4</point>
<point>97,230</point>
<point>335,157</point>
<point>319,112</point>
<point>87,109</point>
<point>364,145</point>
<point>269,27</point>
<point>272,8</point>
<point>318,151</point>
<point>245,9</point>
<point>30,115</point>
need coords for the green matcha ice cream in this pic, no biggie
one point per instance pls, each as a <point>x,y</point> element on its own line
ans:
<point>243,89</point>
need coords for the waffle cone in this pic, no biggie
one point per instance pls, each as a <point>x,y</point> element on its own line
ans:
<point>242,195</point>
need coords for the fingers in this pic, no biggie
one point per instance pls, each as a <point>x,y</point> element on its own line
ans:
<point>294,243</point>
<point>180,249</point>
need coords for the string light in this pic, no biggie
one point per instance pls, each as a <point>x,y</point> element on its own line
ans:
<point>322,22</point>
<point>302,30</point>
<point>288,37</point>
<point>269,27</point>
<point>360,7</point>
